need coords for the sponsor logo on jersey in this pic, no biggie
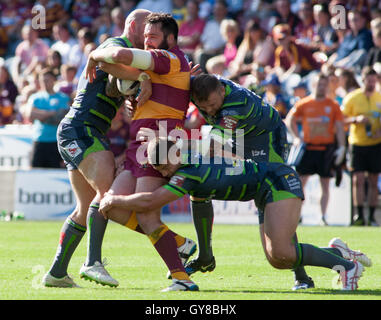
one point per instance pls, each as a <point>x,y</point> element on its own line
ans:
<point>229,123</point>
<point>177,181</point>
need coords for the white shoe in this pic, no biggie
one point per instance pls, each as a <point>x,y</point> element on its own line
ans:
<point>185,252</point>
<point>65,282</point>
<point>348,253</point>
<point>181,285</point>
<point>350,278</point>
<point>98,273</point>
<point>323,222</point>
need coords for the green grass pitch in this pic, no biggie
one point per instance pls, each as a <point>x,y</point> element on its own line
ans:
<point>242,273</point>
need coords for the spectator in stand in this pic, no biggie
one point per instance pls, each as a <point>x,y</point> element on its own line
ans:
<point>54,13</point>
<point>216,65</point>
<point>102,24</point>
<point>31,86</point>
<point>88,48</point>
<point>284,15</point>
<point>31,51</point>
<point>230,32</point>
<point>254,80</point>
<point>375,24</point>
<point>291,57</point>
<point>83,13</point>
<point>362,111</point>
<point>361,6</point>
<point>205,9</point>
<point>190,31</point>
<point>235,8</point>
<point>274,96</point>
<point>347,83</point>
<point>353,50</point>
<point>67,84</point>
<point>64,42</point>
<point>255,47</point>
<point>179,11</point>
<point>304,30</point>
<point>118,18</point>
<point>325,37</point>
<point>77,55</point>
<point>212,42</point>
<point>155,5</point>
<point>8,94</point>
<point>322,126</point>
<point>54,62</point>
<point>13,16</point>
<point>128,6</point>
<point>374,54</point>
<point>3,41</point>
<point>46,109</point>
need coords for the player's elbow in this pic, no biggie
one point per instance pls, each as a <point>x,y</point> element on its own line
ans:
<point>122,55</point>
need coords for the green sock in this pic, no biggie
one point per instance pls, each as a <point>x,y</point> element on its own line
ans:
<point>203,215</point>
<point>309,255</point>
<point>299,272</point>
<point>97,227</point>
<point>70,236</point>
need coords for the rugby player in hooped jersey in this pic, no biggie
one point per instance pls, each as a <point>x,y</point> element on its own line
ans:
<point>169,72</point>
<point>275,188</point>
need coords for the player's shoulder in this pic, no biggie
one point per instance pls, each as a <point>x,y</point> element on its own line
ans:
<point>116,42</point>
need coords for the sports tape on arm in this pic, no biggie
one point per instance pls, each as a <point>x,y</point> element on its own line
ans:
<point>141,59</point>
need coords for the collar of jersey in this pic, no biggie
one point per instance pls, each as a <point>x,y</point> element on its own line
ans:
<point>128,42</point>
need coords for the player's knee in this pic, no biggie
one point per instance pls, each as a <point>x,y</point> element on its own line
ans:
<point>280,258</point>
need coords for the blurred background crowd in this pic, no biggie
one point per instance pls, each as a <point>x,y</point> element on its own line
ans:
<point>270,47</point>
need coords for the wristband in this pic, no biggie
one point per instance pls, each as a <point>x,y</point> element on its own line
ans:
<point>143,77</point>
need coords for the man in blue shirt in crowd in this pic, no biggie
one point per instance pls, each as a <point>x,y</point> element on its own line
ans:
<point>46,109</point>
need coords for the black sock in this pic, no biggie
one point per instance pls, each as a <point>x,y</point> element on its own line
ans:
<point>371,213</point>
<point>309,255</point>
<point>360,212</point>
<point>97,227</point>
<point>203,215</point>
<point>70,236</point>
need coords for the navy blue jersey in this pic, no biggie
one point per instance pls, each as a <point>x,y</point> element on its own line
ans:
<point>91,106</point>
<point>241,180</point>
<point>262,134</point>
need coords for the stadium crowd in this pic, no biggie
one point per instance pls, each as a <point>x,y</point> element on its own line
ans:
<point>274,48</point>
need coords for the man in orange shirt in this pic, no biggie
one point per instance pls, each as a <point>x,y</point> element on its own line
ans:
<point>322,128</point>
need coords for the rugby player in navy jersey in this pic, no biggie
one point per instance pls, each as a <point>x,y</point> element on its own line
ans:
<point>229,107</point>
<point>83,145</point>
<point>275,188</point>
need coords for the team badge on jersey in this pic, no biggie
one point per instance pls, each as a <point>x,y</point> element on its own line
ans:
<point>229,122</point>
<point>73,150</point>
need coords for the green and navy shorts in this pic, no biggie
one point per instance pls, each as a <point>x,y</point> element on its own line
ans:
<point>281,182</point>
<point>76,142</point>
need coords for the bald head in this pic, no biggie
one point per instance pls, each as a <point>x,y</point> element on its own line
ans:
<point>134,27</point>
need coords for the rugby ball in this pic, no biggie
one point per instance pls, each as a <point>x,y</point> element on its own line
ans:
<point>127,87</point>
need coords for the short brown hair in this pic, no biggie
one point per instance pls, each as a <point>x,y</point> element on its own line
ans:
<point>203,85</point>
<point>168,23</point>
